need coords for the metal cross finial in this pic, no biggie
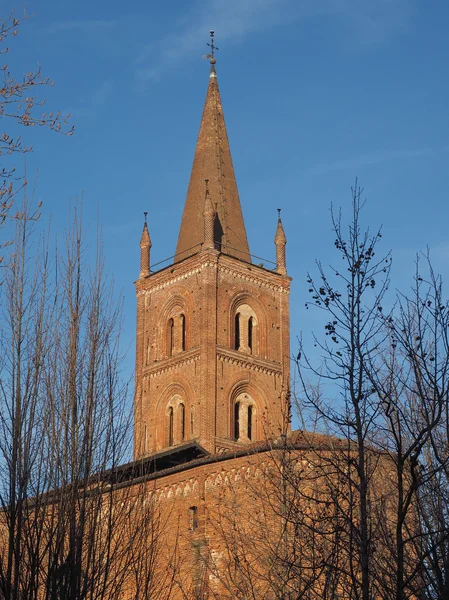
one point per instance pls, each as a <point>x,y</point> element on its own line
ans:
<point>279,214</point>
<point>213,47</point>
<point>145,216</point>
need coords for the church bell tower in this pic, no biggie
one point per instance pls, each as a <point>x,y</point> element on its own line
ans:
<point>213,354</point>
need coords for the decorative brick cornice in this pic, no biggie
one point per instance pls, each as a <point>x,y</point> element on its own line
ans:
<point>172,363</point>
<point>258,365</point>
<point>253,278</point>
<point>239,273</point>
<point>170,281</point>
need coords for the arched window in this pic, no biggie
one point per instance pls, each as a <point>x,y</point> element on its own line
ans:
<point>250,334</point>
<point>237,420</point>
<point>182,414</point>
<point>237,331</point>
<point>250,422</point>
<point>170,336</point>
<point>244,424</point>
<point>176,334</point>
<point>182,320</point>
<point>245,330</point>
<point>170,426</point>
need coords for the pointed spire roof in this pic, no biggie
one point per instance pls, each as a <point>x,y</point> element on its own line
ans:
<point>145,240</point>
<point>280,237</point>
<point>213,161</point>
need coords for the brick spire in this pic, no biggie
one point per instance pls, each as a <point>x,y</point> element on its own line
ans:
<point>213,161</point>
<point>280,241</point>
<point>145,247</point>
<point>209,215</point>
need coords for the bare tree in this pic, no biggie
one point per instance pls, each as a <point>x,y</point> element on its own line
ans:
<point>25,339</point>
<point>74,521</point>
<point>351,297</point>
<point>412,382</point>
<point>386,372</point>
<point>20,105</point>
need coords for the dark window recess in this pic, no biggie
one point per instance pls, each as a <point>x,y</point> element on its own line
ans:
<point>182,415</point>
<point>237,331</point>
<point>250,422</point>
<point>193,517</point>
<point>170,426</point>
<point>236,420</point>
<point>183,332</point>
<point>171,332</point>
<point>218,232</point>
<point>250,334</point>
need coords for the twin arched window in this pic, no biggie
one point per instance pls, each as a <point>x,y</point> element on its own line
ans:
<point>244,418</point>
<point>176,422</point>
<point>176,334</point>
<point>246,330</point>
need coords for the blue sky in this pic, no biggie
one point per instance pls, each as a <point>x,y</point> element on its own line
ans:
<point>315,94</point>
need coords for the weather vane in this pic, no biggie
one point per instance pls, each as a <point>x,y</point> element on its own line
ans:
<point>213,47</point>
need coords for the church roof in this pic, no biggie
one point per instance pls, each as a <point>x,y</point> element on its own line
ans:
<point>212,161</point>
<point>191,455</point>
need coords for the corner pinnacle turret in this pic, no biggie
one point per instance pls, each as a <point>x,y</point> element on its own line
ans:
<point>212,161</point>
<point>145,247</point>
<point>280,241</point>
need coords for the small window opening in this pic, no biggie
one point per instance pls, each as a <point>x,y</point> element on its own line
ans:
<point>193,517</point>
<point>237,331</point>
<point>171,332</point>
<point>250,422</point>
<point>183,332</point>
<point>237,420</point>
<point>218,232</point>
<point>250,334</point>
<point>170,426</point>
<point>191,422</point>
<point>182,411</point>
